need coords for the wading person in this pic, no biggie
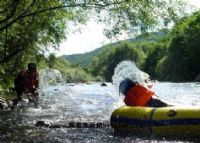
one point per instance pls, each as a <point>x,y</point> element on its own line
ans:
<point>27,82</point>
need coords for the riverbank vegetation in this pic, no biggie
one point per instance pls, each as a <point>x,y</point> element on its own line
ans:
<point>174,56</point>
<point>28,28</point>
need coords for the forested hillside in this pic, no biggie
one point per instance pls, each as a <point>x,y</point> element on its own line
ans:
<point>168,56</point>
<point>181,61</point>
<point>175,58</point>
<point>85,59</point>
<point>29,28</point>
<point>82,59</point>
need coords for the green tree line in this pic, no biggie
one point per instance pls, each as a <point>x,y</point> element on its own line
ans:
<point>29,27</point>
<point>70,72</point>
<point>174,58</point>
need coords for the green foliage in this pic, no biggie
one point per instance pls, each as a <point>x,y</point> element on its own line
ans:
<point>142,15</point>
<point>140,49</point>
<point>72,73</point>
<point>175,58</point>
<point>51,60</point>
<point>157,51</point>
<point>86,59</point>
<point>82,59</point>
<point>163,69</point>
<point>183,56</point>
<point>29,27</point>
<point>105,63</point>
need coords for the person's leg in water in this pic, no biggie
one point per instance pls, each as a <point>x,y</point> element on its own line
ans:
<point>33,97</point>
<point>36,96</point>
<point>17,99</point>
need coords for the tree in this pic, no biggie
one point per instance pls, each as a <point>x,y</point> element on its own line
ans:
<point>129,15</point>
<point>29,27</point>
<point>135,16</point>
<point>105,63</point>
<point>183,54</point>
<point>51,60</point>
<point>157,52</point>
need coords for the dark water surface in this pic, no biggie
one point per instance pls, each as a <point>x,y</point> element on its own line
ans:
<point>83,103</point>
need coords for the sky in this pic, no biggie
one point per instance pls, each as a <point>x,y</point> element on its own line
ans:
<point>91,37</point>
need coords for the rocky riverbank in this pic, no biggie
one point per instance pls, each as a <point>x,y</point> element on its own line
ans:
<point>6,97</point>
<point>3,103</point>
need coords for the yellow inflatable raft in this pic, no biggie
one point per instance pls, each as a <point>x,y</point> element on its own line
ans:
<point>157,122</point>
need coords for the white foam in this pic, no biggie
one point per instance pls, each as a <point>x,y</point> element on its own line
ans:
<point>128,69</point>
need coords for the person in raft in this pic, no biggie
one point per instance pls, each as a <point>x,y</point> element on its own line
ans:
<point>140,94</point>
<point>26,82</point>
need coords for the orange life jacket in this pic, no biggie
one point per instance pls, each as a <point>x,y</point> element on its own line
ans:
<point>27,82</point>
<point>138,96</point>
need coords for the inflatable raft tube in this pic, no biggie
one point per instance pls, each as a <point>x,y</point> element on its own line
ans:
<point>165,122</point>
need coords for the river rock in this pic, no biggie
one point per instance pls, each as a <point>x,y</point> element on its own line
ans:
<point>3,104</point>
<point>103,84</point>
<point>42,124</point>
<point>197,79</point>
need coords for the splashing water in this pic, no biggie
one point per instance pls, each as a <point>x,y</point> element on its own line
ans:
<point>128,69</point>
<point>84,103</point>
<point>50,77</point>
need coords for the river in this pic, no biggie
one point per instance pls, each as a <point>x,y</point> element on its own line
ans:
<point>92,102</point>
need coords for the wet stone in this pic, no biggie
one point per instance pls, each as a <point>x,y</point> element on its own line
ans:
<point>72,125</point>
<point>78,125</point>
<point>85,125</point>
<point>103,84</point>
<point>42,124</point>
<point>99,125</point>
<point>3,104</point>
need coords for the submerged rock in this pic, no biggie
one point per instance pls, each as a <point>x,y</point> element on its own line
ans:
<point>103,84</point>
<point>197,79</point>
<point>42,124</point>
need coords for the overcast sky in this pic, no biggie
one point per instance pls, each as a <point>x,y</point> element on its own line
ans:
<point>91,37</point>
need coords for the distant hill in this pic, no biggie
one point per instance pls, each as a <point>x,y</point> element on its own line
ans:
<point>82,59</point>
<point>86,58</point>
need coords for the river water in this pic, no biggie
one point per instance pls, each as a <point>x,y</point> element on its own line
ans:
<point>92,102</point>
